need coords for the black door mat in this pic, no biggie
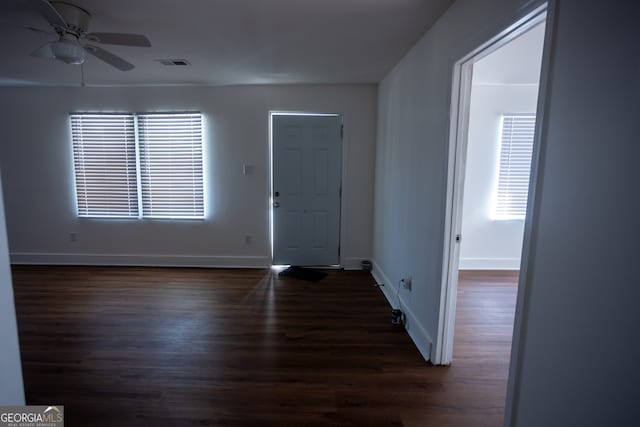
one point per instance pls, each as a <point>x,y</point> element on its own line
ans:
<point>303,274</point>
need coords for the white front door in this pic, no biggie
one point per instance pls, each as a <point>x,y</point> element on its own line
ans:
<point>307,165</point>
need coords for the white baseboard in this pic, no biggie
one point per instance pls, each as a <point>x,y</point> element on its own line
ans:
<point>489,263</point>
<point>418,334</point>
<point>353,263</point>
<point>382,279</point>
<point>141,260</point>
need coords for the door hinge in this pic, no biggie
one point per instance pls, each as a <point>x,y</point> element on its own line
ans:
<point>341,131</point>
<point>458,238</point>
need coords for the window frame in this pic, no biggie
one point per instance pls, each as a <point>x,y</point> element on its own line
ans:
<point>138,165</point>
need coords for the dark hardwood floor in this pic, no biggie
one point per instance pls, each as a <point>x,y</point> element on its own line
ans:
<point>185,347</point>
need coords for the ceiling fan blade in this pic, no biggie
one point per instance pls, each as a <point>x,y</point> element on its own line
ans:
<point>27,27</point>
<point>39,31</point>
<point>44,51</point>
<point>49,12</point>
<point>123,39</point>
<point>109,58</point>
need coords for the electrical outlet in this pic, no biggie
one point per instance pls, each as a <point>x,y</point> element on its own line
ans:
<point>407,283</point>
<point>73,236</point>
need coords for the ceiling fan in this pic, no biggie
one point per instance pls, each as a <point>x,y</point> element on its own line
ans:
<point>71,24</point>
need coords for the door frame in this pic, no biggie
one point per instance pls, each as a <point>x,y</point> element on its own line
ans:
<point>342,213</point>
<point>458,140</point>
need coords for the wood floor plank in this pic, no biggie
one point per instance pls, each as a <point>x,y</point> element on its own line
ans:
<point>122,346</point>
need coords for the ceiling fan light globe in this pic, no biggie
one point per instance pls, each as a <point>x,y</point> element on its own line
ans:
<point>69,53</point>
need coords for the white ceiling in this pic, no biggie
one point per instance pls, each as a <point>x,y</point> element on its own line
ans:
<point>228,41</point>
<point>517,62</point>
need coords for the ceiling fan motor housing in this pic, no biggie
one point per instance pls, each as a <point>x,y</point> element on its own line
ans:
<point>77,18</point>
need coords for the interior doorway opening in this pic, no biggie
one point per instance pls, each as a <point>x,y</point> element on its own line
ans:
<point>495,100</point>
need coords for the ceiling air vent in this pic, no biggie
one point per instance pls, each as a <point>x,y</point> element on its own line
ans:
<point>179,62</point>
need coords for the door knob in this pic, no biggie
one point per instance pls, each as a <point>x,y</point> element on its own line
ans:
<point>276,204</point>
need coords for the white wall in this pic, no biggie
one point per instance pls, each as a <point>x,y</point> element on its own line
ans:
<point>487,243</point>
<point>578,323</point>
<point>411,158</point>
<point>11,388</point>
<point>35,154</point>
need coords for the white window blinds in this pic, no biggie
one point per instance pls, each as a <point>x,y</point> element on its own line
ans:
<point>145,165</point>
<point>515,165</point>
<point>171,165</point>
<point>104,154</point>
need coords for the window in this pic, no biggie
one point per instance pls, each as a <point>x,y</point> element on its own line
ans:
<point>516,150</point>
<point>104,155</point>
<point>171,165</point>
<point>138,165</point>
